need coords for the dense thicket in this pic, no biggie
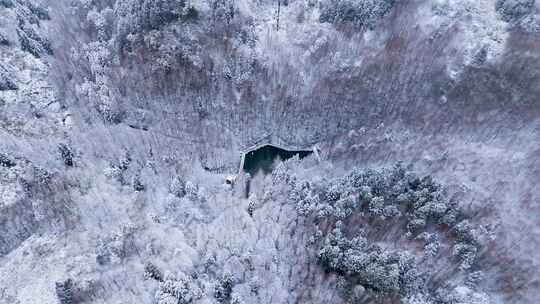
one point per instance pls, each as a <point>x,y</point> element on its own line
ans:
<point>179,88</point>
<point>514,10</point>
<point>357,12</point>
<point>388,230</point>
<point>6,82</point>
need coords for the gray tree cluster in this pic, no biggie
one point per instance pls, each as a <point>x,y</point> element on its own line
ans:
<point>6,81</point>
<point>355,215</point>
<point>178,290</point>
<point>144,15</point>
<point>514,10</point>
<point>361,13</point>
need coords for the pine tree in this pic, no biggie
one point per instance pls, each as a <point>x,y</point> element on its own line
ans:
<point>66,154</point>
<point>152,272</point>
<point>514,10</point>
<point>6,161</point>
<point>223,289</point>
<point>64,291</point>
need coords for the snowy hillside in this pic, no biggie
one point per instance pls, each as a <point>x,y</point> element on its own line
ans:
<point>123,122</point>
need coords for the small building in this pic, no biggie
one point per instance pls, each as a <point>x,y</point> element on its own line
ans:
<point>230,179</point>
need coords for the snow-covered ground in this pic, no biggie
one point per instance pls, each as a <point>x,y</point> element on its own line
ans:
<point>104,140</point>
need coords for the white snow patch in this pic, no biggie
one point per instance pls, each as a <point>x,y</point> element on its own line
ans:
<point>10,194</point>
<point>478,27</point>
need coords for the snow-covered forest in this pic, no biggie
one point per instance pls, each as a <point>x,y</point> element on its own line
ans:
<point>123,124</point>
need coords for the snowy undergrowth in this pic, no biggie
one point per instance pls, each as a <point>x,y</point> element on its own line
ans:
<point>103,145</point>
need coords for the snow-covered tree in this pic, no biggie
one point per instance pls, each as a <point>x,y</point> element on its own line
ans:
<point>370,207</point>
<point>177,187</point>
<point>6,81</point>
<point>223,288</point>
<point>145,15</point>
<point>514,10</point>
<point>66,154</point>
<point>179,289</point>
<point>64,291</point>
<point>357,12</point>
<point>152,272</point>
<point>6,161</point>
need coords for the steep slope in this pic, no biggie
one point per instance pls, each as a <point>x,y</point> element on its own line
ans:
<point>110,110</point>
